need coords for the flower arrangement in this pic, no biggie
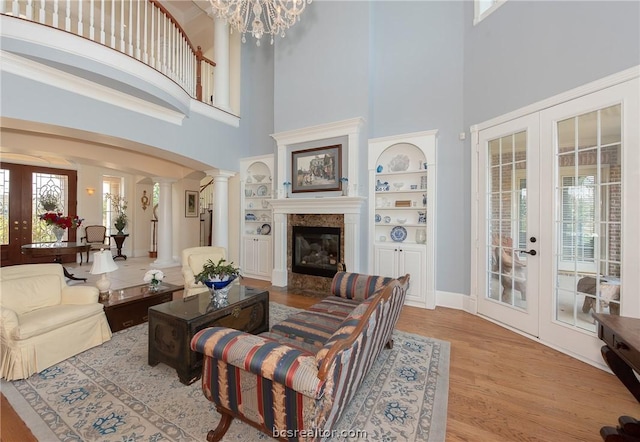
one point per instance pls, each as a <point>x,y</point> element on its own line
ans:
<point>153,277</point>
<point>119,205</point>
<point>49,202</point>
<point>62,222</point>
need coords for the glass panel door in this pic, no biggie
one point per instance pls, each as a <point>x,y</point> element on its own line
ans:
<point>589,146</point>
<point>509,205</point>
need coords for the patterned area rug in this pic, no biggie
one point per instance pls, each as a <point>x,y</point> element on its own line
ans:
<point>109,393</point>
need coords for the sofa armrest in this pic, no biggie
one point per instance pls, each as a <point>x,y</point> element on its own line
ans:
<point>261,356</point>
<point>80,294</point>
<point>9,323</point>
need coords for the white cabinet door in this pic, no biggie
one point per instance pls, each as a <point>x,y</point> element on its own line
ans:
<point>386,260</point>
<point>411,261</point>
<point>395,260</point>
<point>248,248</point>
<point>263,255</point>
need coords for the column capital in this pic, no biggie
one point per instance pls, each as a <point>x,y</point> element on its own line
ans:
<point>219,173</point>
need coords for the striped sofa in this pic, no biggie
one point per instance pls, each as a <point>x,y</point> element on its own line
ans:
<point>294,381</point>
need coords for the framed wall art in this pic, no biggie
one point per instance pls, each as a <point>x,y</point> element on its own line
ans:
<point>190,203</point>
<point>317,169</point>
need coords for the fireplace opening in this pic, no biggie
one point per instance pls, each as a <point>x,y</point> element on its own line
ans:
<point>316,250</point>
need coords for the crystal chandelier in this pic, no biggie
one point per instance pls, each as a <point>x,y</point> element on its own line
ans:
<point>259,16</point>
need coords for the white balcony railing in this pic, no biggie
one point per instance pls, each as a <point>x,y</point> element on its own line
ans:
<point>142,29</point>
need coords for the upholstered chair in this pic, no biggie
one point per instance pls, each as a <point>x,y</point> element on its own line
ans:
<point>44,320</point>
<point>96,236</point>
<point>193,259</point>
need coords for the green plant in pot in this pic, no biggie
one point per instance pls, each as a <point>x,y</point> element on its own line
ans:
<point>218,275</point>
<point>119,205</point>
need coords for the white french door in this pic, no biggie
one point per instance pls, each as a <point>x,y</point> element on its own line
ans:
<point>558,210</point>
<point>509,223</point>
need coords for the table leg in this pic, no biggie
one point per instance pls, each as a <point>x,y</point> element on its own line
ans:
<point>58,260</point>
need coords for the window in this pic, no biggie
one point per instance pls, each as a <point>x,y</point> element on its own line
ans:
<point>482,9</point>
<point>112,185</point>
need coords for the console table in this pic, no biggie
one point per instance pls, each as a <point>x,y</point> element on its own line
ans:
<point>622,354</point>
<point>56,250</point>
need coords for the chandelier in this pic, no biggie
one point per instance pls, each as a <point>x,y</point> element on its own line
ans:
<point>259,17</point>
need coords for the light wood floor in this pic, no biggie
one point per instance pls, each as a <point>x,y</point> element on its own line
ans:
<point>503,387</point>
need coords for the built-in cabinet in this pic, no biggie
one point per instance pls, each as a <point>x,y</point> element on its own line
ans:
<point>402,172</point>
<point>257,216</point>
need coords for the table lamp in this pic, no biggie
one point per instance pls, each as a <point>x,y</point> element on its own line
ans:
<point>103,264</point>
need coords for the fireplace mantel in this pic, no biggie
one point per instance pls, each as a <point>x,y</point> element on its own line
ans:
<point>351,207</point>
<point>328,204</point>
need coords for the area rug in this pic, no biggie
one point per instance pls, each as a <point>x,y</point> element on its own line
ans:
<point>110,393</point>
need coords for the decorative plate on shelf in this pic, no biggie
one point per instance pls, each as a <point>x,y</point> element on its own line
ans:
<point>265,229</point>
<point>262,190</point>
<point>387,219</point>
<point>378,218</point>
<point>250,217</point>
<point>399,163</point>
<point>398,234</point>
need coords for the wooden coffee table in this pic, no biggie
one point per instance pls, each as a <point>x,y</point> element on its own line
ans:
<point>129,306</point>
<point>173,324</point>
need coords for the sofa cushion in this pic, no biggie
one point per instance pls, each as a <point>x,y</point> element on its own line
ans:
<point>23,295</point>
<point>335,306</point>
<point>309,327</point>
<point>294,343</point>
<point>43,320</point>
<point>345,329</point>
<point>357,285</point>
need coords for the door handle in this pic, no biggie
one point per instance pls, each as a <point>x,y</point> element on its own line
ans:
<point>530,252</point>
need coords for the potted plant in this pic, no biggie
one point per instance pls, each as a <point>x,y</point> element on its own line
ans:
<point>218,275</point>
<point>49,202</point>
<point>119,205</point>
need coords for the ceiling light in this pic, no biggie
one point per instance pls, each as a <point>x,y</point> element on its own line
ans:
<point>259,17</point>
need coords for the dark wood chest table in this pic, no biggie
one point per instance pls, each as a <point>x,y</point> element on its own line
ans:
<point>173,324</point>
<point>129,306</point>
<point>622,354</point>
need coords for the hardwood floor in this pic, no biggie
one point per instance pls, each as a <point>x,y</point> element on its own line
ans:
<point>503,387</point>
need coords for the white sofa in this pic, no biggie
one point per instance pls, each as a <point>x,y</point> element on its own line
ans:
<point>193,259</point>
<point>45,321</point>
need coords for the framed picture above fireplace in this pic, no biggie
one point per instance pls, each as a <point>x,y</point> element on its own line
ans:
<point>317,169</point>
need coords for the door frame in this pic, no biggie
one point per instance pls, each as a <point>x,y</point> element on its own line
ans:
<point>630,253</point>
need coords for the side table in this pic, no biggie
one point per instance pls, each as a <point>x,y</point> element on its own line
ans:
<point>119,239</point>
<point>622,354</point>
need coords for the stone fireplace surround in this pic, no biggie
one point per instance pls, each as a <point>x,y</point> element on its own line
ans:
<point>326,211</point>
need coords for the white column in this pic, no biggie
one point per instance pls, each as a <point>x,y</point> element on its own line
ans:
<point>220,225</point>
<point>221,70</point>
<point>165,223</point>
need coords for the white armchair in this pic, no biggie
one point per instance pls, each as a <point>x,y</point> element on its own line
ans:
<point>45,321</point>
<point>193,260</point>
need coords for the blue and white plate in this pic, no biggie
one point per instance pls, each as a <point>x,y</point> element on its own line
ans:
<point>398,234</point>
<point>378,218</point>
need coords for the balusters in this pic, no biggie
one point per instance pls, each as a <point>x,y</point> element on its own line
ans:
<point>67,17</point>
<point>130,26</point>
<point>54,17</point>
<point>138,56</point>
<point>113,25</point>
<point>102,33</point>
<point>80,25</point>
<point>159,41</point>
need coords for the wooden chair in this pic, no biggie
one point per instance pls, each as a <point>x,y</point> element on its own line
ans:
<point>97,237</point>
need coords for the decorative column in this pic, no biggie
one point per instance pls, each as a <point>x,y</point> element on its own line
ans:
<point>165,223</point>
<point>221,56</point>
<point>220,227</point>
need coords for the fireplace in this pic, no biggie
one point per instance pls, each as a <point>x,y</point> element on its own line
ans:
<point>316,250</point>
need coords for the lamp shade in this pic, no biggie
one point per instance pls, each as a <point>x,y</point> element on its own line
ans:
<point>103,262</point>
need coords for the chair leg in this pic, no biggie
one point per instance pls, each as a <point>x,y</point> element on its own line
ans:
<point>217,434</point>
